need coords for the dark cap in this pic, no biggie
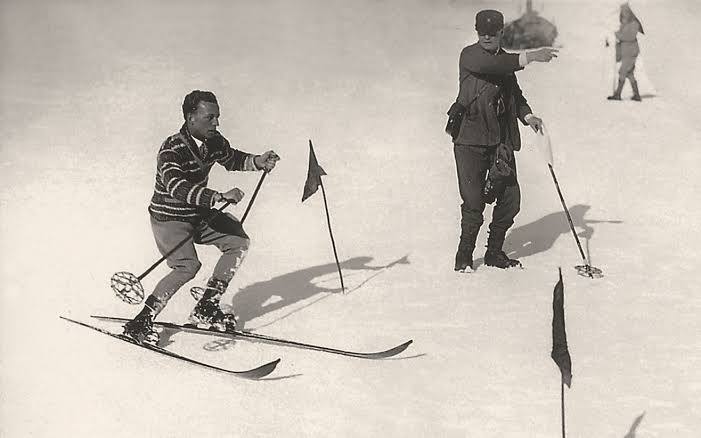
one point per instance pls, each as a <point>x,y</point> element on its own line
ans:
<point>489,22</point>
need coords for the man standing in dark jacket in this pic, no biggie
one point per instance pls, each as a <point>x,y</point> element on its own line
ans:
<point>488,137</point>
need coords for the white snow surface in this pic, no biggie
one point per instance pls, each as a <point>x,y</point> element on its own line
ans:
<point>89,90</point>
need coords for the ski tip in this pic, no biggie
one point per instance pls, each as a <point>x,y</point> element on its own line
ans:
<point>393,351</point>
<point>70,320</point>
<point>261,371</point>
<point>405,345</point>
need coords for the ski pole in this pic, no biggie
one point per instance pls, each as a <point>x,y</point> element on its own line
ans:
<point>128,287</point>
<point>585,270</point>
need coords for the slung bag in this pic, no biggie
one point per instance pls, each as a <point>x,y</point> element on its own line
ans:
<point>455,116</point>
<point>457,112</point>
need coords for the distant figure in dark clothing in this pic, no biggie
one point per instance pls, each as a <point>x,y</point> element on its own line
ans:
<point>627,51</point>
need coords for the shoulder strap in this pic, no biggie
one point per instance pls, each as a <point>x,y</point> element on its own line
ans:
<point>479,93</point>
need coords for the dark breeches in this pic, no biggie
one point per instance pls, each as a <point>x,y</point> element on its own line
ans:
<point>472,163</point>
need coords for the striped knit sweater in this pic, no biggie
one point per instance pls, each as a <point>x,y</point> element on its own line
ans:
<point>182,173</point>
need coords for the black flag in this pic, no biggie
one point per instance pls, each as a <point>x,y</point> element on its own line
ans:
<point>560,354</point>
<point>311,185</point>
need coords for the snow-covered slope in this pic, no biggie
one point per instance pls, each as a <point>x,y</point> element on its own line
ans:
<point>89,91</point>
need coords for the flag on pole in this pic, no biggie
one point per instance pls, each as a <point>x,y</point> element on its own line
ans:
<point>313,175</point>
<point>560,354</point>
<point>310,187</point>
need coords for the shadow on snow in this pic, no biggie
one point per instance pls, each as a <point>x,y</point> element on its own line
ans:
<point>285,290</point>
<point>540,235</point>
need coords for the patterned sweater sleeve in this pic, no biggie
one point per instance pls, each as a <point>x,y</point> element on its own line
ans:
<point>173,169</point>
<point>232,159</point>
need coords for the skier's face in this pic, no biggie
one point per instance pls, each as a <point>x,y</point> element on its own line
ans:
<point>491,43</point>
<point>203,122</point>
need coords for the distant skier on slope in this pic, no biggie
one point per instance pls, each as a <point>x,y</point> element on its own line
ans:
<point>483,124</point>
<point>627,51</point>
<point>181,200</point>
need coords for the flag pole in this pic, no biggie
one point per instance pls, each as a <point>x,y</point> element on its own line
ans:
<point>562,405</point>
<point>333,243</point>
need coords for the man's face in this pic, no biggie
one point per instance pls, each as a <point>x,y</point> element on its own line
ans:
<point>203,122</point>
<point>491,43</point>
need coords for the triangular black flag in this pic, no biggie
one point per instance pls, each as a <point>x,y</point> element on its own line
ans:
<point>560,354</point>
<point>311,185</point>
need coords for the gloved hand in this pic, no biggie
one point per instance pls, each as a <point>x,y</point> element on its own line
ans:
<point>536,124</point>
<point>267,161</point>
<point>234,196</point>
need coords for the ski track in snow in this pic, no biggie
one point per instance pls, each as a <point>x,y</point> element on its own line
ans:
<point>89,93</point>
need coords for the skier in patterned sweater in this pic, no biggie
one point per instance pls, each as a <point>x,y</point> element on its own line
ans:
<point>180,202</point>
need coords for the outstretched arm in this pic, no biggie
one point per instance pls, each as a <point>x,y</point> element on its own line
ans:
<point>477,60</point>
<point>233,159</point>
<point>229,157</point>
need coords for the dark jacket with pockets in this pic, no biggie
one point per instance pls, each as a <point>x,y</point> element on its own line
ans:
<point>484,78</point>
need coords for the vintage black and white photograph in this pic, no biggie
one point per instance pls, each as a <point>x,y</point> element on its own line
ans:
<point>334,218</point>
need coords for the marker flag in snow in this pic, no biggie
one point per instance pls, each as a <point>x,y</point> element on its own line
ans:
<point>310,187</point>
<point>560,354</point>
<point>313,175</point>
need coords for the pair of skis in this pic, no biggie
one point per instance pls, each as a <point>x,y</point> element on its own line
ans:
<point>254,373</point>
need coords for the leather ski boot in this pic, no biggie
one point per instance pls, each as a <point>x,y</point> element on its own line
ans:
<point>499,259</point>
<point>141,329</point>
<point>208,314</point>
<point>494,255</point>
<point>463,256</point>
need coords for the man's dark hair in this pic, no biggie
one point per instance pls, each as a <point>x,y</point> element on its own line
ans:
<point>194,98</point>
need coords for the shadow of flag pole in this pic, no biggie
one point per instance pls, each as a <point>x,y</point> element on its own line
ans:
<point>560,353</point>
<point>311,185</point>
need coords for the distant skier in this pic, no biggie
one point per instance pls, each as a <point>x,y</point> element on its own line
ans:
<point>181,200</point>
<point>627,51</point>
<point>485,135</point>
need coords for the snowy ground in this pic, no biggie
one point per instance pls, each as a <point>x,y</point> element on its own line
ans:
<point>88,91</point>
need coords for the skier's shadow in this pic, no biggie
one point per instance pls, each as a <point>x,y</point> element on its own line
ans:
<point>268,296</point>
<point>541,235</point>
